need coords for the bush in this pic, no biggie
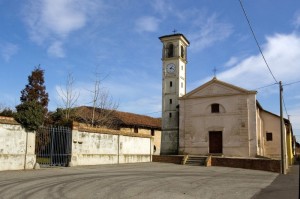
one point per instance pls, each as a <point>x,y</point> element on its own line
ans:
<point>30,115</point>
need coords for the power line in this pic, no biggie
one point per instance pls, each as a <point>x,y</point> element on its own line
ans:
<point>152,113</point>
<point>285,107</point>
<point>265,86</point>
<point>291,83</point>
<point>257,41</point>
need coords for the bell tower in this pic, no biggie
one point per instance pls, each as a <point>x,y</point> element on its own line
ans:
<point>174,60</point>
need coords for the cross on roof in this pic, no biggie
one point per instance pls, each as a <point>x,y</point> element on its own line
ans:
<point>174,31</point>
<point>215,71</point>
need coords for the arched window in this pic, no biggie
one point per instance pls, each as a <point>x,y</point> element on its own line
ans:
<point>170,50</point>
<point>215,108</point>
<point>182,52</point>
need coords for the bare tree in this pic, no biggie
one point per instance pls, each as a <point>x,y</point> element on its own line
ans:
<point>68,96</point>
<point>102,112</point>
<point>104,106</point>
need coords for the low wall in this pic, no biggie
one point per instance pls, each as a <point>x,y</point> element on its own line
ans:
<point>91,146</point>
<point>176,159</point>
<point>16,146</point>
<point>255,164</point>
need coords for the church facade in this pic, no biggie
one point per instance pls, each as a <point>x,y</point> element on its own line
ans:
<point>216,118</point>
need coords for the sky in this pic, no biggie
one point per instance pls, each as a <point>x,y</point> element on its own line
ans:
<point>117,42</point>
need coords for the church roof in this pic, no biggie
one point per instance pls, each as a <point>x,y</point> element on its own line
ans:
<point>239,90</point>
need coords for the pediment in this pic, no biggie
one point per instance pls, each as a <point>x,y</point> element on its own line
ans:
<point>216,88</point>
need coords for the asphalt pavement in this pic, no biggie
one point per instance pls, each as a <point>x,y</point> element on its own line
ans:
<point>143,180</point>
<point>284,186</point>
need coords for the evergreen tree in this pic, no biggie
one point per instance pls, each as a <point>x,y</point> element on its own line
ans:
<point>30,115</point>
<point>7,112</point>
<point>33,109</point>
<point>35,89</point>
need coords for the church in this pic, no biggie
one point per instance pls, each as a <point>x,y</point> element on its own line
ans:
<point>217,118</point>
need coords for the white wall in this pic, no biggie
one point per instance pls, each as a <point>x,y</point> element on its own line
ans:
<point>236,120</point>
<point>99,148</point>
<point>13,143</point>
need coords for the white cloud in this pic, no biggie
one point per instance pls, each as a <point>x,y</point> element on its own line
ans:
<point>146,106</point>
<point>282,53</point>
<point>53,17</point>
<point>56,19</point>
<point>56,50</point>
<point>232,61</point>
<point>147,24</point>
<point>211,30</point>
<point>296,21</point>
<point>163,7</point>
<point>8,50</point>
<point>295,120</point>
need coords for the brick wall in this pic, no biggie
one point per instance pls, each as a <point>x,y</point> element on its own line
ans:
<point>168,159</point>
<point>256,164</point>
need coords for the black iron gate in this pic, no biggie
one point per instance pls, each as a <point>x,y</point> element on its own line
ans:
<point>53,146</point>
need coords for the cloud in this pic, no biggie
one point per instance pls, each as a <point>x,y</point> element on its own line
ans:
<point>147,24</point>
<point>232,61</point>
<point>211,30</point>
<point>296,21</point>
<point>295,120</point>
<point>8,50</point>
<point>147,106</point>
<point>56,50</point>
<point>163,7</point>
<point>56,19</point>
<point>282,51</point>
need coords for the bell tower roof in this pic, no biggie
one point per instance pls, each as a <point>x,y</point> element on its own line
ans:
<point>173,36</point>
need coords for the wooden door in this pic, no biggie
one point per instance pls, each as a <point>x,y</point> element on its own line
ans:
<point>215,142</point>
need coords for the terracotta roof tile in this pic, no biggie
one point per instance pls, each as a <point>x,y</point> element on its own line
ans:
<point>8,120</point>
<point>127,119</point>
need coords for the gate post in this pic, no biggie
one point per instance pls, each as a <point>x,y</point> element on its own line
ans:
<point>29,154</point>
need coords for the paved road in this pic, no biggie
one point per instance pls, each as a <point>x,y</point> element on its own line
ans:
<point>146,180</point>
<point>284,186</point>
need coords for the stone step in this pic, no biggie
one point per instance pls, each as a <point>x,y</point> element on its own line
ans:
<point>196,160</point>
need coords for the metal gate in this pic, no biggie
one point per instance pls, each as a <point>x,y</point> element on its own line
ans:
<point>53,146</point>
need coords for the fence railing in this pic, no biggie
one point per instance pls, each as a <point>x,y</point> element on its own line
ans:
<point>53,146</point>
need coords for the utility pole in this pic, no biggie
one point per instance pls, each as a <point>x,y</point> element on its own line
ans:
<point>283,165</point>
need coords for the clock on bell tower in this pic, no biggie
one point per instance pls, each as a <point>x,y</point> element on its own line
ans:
<point>174,60</point>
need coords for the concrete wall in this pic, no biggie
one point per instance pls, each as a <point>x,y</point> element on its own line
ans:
<point>109,147</point>
<point>156,137</point>
<point>17,147</point>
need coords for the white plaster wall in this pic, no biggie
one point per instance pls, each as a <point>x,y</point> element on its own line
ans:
<point>235,121</point>
<point>252,124</point>
<point>13,153</point>
<point>134,149</point>
<point>93,148</point>
<point>96,148</point>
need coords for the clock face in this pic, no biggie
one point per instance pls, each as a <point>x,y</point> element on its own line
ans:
<point>171,68</point>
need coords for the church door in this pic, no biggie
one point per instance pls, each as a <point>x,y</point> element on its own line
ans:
<point>215,142</point>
